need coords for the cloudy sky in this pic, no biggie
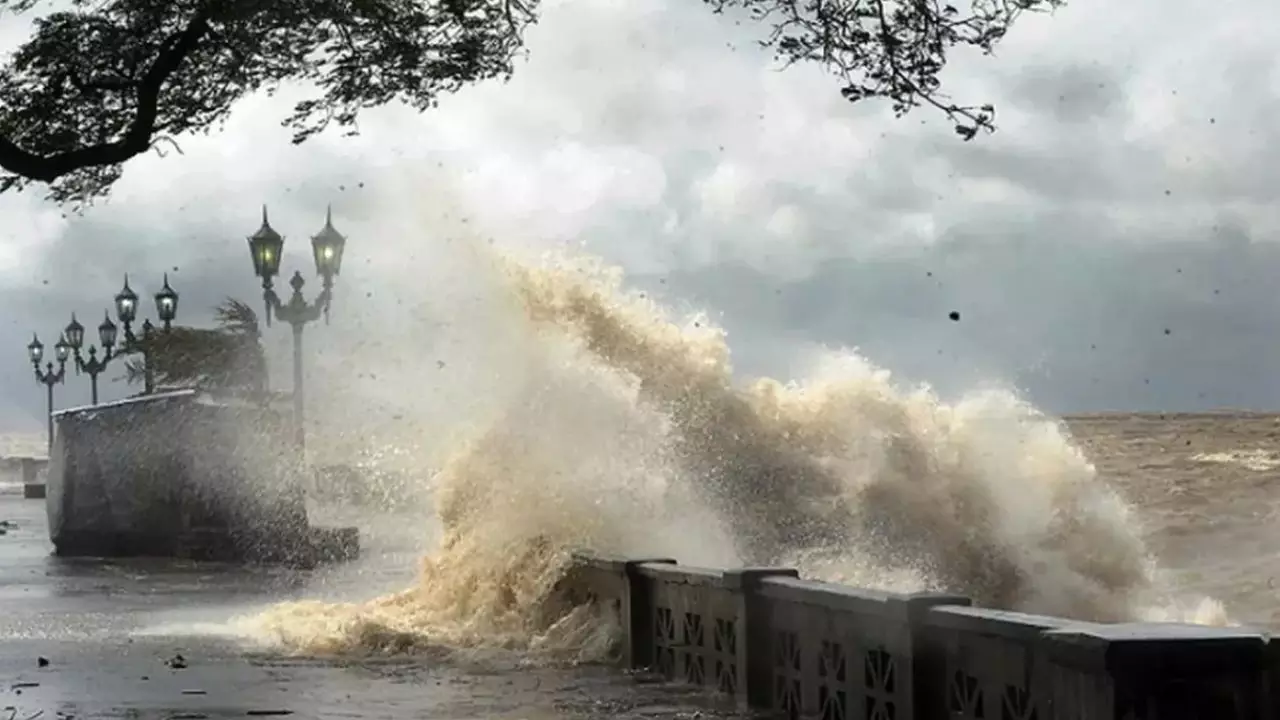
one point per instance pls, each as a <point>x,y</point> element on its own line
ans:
<point>1111,247</point>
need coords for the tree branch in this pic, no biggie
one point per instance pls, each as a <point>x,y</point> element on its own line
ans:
<point>137,139</point>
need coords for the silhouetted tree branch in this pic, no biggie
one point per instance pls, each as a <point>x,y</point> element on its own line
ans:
<point>894,49</point>
<point>102,81</point>
<point>99,83</point>
<point>134,139</point>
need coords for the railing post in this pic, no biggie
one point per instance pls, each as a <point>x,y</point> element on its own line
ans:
<point>1271,681</point>
<point>755,643</point>
<point>928,676</point>
<point>637,614</point>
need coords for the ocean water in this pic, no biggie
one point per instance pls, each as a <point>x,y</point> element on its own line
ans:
<point>612,424</point>
<point>1203,488</point>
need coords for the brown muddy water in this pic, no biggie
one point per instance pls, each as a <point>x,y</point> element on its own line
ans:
<point>1207,491</point>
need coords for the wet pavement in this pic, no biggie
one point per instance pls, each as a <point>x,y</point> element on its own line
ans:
<point>143,639</point>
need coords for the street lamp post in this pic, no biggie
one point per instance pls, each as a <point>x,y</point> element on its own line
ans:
<point>94,365</point>
<point>265,248</point>
<point>126,310</point>
<point>49,377</point>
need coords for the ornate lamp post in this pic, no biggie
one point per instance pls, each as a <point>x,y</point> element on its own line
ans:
<point>126,310</point>
<point>265,248</point>
<point>94,365</point>
<point>49,377</point>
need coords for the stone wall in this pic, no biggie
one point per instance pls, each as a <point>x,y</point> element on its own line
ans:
<point>146,475</point>
<point>767,639</point>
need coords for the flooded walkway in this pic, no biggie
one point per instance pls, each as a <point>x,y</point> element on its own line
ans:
<point>152,639</point>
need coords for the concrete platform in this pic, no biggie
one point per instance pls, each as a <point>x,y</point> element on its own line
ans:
<point>322,545</point>
<point>183,475</point>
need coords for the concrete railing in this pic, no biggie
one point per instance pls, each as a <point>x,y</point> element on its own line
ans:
<point>804,649</point>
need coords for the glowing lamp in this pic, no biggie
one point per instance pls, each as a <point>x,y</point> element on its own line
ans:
<point>327,247</point>
<point>126,303</point>
<point>265,247</point>
<point>74,333</point>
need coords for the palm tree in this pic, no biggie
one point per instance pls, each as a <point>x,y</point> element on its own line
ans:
<point>228,358</point>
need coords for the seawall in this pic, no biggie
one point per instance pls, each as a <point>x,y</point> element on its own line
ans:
<point>183,474</point>
<point>795,648</point>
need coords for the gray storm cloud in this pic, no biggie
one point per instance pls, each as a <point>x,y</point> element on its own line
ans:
<point>1128,192</point>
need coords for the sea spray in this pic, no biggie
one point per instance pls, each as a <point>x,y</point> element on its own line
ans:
<point>628,433</point>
